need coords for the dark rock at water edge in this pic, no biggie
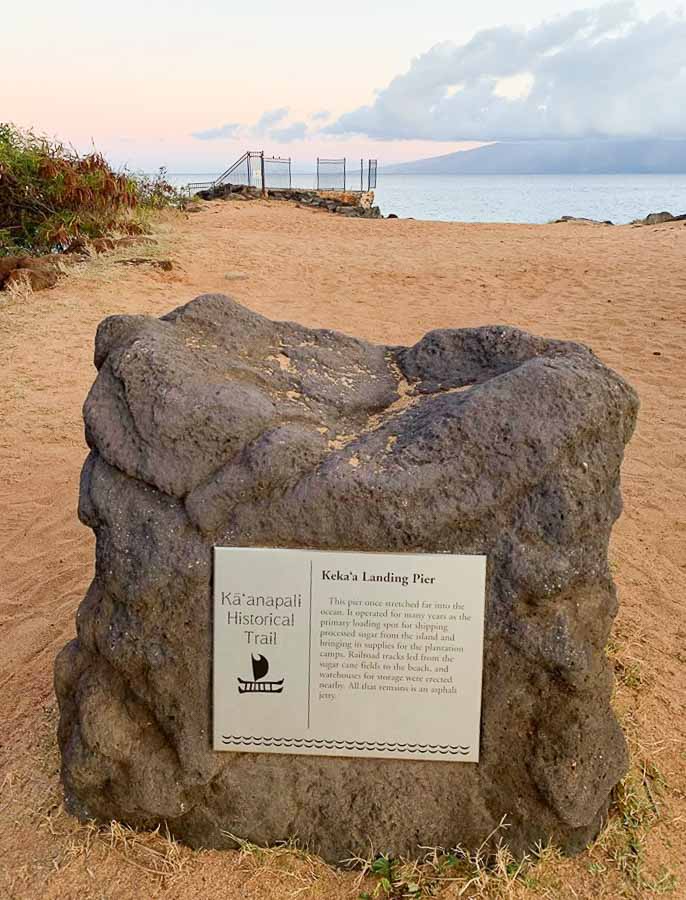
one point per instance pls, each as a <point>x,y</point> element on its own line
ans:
<point>230,192</point>
<point>581,220</point>
<point>214,425</point>
<point>659,218</point>
<point>651,219</point>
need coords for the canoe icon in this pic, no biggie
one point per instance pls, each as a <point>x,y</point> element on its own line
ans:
<point>260,668</point>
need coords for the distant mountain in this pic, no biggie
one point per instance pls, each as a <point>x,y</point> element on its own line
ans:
<point>583,157</point>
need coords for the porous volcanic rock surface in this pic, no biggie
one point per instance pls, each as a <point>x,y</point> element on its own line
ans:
<point>214,425</point>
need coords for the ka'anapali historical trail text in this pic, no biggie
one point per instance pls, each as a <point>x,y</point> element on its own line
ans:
<point>348,654</point>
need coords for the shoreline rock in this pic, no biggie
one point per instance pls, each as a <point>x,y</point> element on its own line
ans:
<point>348,203</point>
<point>581,220</point>
<point>658,218</point>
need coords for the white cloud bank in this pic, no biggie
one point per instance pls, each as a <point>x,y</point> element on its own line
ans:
<point>600,72</point>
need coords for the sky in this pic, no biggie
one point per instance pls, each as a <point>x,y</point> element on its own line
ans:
<point>190,86</point>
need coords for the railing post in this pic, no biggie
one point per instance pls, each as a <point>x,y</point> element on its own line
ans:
<point>317,173</point>
<point>264,182</point>
<point>344,173</point>
<point>361,175</point>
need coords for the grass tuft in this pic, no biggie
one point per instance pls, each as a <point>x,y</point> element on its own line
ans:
<point>491,871</point>
<point>622,844</point>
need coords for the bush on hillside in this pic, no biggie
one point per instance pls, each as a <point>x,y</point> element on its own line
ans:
<point>50,195</point>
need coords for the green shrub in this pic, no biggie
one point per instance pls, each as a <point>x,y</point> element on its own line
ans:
<point>50,195</point>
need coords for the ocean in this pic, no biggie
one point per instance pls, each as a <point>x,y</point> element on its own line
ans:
<point>516,198</point>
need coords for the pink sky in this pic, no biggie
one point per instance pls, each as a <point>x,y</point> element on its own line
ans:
<point>139,79</point>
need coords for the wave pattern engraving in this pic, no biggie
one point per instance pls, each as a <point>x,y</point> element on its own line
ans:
<point>333,744</point>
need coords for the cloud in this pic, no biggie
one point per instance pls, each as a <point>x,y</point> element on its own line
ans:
<point>320,116</point>
<point>600,72</point>
<point>268,119</point>
<point>214,134</point>
<point>263,128</point>
<point>294,132</point>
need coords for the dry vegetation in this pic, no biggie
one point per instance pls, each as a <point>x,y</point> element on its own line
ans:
<point>51,196</point>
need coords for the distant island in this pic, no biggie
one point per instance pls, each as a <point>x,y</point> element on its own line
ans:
<point>582,157</point>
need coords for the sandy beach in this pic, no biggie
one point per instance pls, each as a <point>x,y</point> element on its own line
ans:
<point>621,290</point>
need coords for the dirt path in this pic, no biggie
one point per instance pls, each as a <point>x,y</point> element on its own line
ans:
<point>622,290</point>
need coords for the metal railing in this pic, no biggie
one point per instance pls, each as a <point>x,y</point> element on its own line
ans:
<point>244,160</point>
<point>336,174</point>
<point>371,174</point>
<point>254,169</point>
<point>277,172</point>
<point>330,174</point>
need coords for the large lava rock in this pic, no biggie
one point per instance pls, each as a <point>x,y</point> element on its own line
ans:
<point>214,425</point>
